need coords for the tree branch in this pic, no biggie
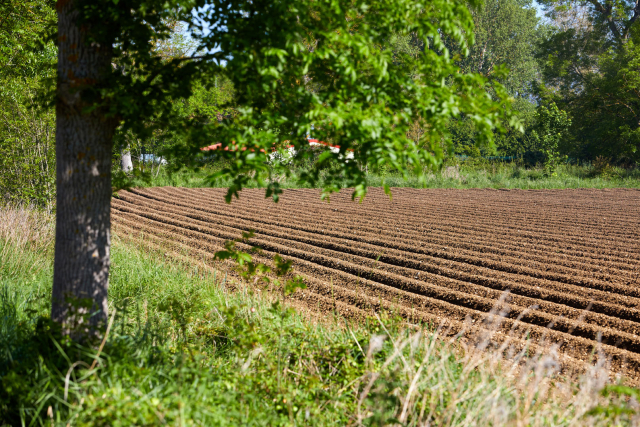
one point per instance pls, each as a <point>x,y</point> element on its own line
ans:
<point>634,18</point>
<point>606,13</point>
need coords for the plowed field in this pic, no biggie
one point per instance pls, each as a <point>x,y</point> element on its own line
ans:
<point>569,259</point>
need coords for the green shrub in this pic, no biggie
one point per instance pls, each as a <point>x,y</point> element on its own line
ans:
<point>551,126</point>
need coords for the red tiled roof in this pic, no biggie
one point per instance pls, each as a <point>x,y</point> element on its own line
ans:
<point>311,141</point>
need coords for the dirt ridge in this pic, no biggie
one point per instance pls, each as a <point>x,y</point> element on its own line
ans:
<point>360,258</point>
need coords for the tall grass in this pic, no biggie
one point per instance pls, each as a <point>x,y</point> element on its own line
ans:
<point>455,174</point>
<point>184,349</point>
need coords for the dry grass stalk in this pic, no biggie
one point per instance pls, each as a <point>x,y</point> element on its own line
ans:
<point>500,384</point>
<point>25,226</point>
<point>23,231</point>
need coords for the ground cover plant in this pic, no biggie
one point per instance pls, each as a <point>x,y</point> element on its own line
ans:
<point>188,346</point>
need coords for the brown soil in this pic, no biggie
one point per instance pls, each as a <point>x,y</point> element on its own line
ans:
<point>569,259</point>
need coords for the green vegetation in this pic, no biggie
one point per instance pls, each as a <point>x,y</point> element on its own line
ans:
<point>590,68</point>
<point>188,347</point>
<point>405,84</point>
<point>552,126</point>
<point>27,127</point>
<point>455,173</point>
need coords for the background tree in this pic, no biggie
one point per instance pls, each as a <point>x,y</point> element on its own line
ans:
<point>591,71</point>
<point>551,127</point>
<point>507,34</point>
<point>27,157</point>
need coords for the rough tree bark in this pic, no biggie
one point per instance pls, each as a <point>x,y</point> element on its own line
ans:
<point>83,155</point>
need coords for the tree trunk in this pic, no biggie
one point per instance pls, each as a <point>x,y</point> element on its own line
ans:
<point>83,172</point>
<point>143,156</point>
<point>125,161</point>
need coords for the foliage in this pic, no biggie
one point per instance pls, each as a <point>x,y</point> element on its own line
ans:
<point>614,19</point>
<point>24,31</point>
<point>258,272</point>
<point>602,168</point>
<point>293,65</point>
<point>27,163</point>
<point>506,35</point>
<point>27,156</point>
<point>551,126</point>
<point>205,104</point>
<point>619,408</point>
<point>591,70</point>
<point>511,142</point>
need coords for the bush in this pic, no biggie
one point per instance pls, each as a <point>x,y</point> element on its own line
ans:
<point>602,168</point>
<point>551,126</point>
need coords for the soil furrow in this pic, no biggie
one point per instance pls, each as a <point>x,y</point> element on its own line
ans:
<point>438,257</point>
<point>445,235</point>
<point>263,210</point>
<point>408,212</point>
<point>504,264</point>
<point>346,272</point>
<point>573,296</point>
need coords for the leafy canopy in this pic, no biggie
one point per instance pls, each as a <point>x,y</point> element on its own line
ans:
<point>507,33</point>
<point>551,127</point>
<point>590,69</point>
<point>27,64</point>
<point>329,64</point>
<point>25,28</point>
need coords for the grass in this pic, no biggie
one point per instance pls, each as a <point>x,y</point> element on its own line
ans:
<point>184,349</point>
<point>472,173</point>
